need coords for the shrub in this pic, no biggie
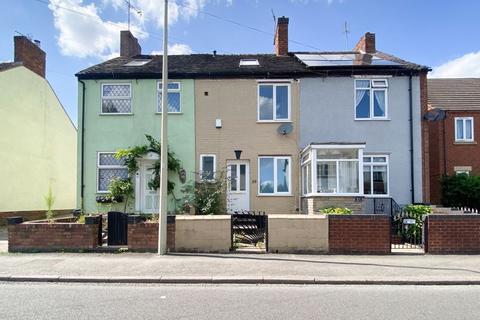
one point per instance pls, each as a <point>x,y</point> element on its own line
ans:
<point>121,189</point>
<point>208,197</point>
<point>49,201</point>
<point>461,191</point>
<point>333,210</point>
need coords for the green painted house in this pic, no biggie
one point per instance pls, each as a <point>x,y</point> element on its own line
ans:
<point>116,110</point>
<point>37,138</point>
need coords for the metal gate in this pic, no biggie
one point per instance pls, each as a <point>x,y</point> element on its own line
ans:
<point>249,230</point>
<point>407,231</point>
<point>117,228</point>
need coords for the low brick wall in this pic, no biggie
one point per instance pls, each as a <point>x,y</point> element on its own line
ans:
<point>206,233</point>
<point>359,234</point>
<point>29,215</point>
<point>143,236</point>
<point>57,236</point>
<point>297,233</point>
<point>453,234</point>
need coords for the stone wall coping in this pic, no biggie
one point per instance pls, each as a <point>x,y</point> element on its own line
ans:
<point>204,217</point>
<point>453,216</point>
<point>358,216</point>
<point>333,196</point>
<point>297,216</point>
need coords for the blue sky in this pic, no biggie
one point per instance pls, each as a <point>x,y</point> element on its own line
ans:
<point>79,33</point>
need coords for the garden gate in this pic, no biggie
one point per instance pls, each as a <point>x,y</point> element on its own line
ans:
<point>249,230</point>
<point>407,231</point>
<point>117,228</point>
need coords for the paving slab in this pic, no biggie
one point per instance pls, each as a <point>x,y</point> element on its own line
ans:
<point>242,268</point>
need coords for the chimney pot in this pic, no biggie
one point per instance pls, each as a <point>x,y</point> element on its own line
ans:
<point>366,43</point>
<point>281,37</point>
<point>30,54</point>
<point>129,46</point>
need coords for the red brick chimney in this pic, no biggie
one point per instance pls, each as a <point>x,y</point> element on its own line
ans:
<point>281,37</point>
<point>129,46</point>
<point>30,54</point>
<point>366,43</point>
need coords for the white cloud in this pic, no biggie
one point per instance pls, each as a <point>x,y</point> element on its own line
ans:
<point>176,49</point>
<point>82,33</point>
<point>462,67</point>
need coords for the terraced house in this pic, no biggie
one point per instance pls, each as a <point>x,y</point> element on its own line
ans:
<point>294,132</point>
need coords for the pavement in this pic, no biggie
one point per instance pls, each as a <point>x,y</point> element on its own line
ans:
<point>160,301</point>
<point>241,268</point>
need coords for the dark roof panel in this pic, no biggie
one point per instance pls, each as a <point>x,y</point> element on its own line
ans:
<point>9,65</point>
<point>209,66</point>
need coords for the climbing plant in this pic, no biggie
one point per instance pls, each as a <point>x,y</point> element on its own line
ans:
<point>131,155</point>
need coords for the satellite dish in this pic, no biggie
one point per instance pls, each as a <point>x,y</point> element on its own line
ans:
<point>285,128</point>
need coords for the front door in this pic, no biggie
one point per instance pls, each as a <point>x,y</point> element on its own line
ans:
<point>147,198</point>
<point>238,189</point>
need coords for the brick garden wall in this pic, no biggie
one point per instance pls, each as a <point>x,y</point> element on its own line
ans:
<point>144,236</point>
<point>359,234</point>
<point>453,234</point>
<point>46,236</point>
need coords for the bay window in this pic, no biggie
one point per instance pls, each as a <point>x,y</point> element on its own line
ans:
<point>332,170</point>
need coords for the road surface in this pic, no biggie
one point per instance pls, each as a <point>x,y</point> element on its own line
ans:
<point>109,301</point>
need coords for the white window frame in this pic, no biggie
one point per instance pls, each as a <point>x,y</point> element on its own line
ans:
<point>464,120</point>
<point>179,91</point>
<point>312,149</point>
<point>214,166</point>
<point>99,166</point>
<point>129,97</point>
<point>275,192</point>
<point>371,164</point>
<point>458,172</point>
<point>275,85</point>
<point>372,90</point>
<point>305,160</point>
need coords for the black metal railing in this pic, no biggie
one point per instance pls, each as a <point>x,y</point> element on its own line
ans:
<point>249,229</point>
<point>386,206</point>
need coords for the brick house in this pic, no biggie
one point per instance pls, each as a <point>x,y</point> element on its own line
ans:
<point>453,120</point>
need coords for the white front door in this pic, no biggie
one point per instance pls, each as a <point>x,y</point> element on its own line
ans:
<point>147,199</point>
<point>238,187</point>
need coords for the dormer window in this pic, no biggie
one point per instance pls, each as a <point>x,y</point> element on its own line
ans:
<point>249,63</point>
<point>137,62</point>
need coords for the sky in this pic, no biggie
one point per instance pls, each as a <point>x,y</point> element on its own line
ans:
<point>76,34</point>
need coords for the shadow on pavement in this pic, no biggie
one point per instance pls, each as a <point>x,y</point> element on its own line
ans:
<point>264,258</point>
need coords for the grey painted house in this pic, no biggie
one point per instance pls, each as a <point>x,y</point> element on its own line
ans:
<point>361,129</point>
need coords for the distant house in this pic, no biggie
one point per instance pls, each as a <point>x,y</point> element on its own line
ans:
<point>37,138</point>
<point>454,125</point>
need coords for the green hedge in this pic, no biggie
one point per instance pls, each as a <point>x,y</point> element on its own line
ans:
<point>461,191</point>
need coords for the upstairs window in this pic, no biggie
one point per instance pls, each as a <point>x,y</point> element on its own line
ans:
<point>174,99</point>
<point>464,129</point>
<point>273,102</point>
<point>371,99</point>
<point>116,98</point>
<point>108,168</point>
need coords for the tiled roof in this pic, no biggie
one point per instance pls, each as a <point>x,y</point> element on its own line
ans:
<point>197,65</point>
<point>8,65</point>
<point>210,66</point>
<point>454,93</point>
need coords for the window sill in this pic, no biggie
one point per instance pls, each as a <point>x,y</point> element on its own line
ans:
<point>373,119</point>
<point>376,196</point>
<point>179,113</point>
<point>115,114</point>
<point>459,143</point>
<point>273,121</point>
<point>274,195</point>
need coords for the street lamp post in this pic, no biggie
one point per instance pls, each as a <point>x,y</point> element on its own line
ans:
<point>162,221</point>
